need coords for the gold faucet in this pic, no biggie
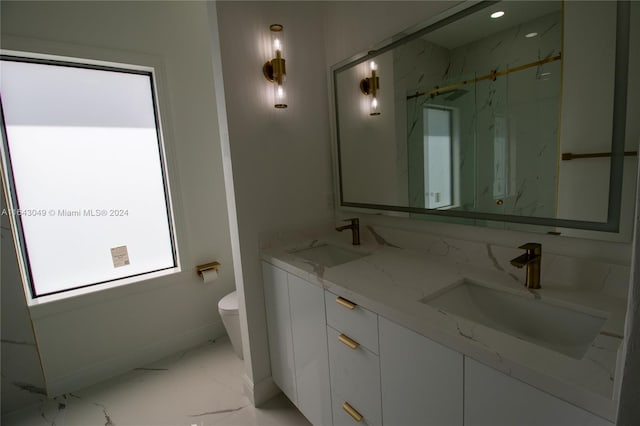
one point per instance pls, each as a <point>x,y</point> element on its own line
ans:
<point>531,259</point>
<point>355,230</point>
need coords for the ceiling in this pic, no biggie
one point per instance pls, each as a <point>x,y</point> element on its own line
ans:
<point>480,25</point>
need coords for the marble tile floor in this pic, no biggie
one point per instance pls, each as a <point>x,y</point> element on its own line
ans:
<point>199,387</point>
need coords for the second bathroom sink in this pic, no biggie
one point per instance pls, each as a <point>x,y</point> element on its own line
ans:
<point>555,327</point>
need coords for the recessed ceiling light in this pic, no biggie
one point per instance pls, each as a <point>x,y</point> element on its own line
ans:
<point>531,35</point>
<point>497,14</point>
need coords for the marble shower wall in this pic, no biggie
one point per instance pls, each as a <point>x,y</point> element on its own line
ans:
<point>526,105</point>
<point>415,64</point>
<point>506,144</point>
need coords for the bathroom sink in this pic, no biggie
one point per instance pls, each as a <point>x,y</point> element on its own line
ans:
<point>328,255</point>
<point>558,328</point>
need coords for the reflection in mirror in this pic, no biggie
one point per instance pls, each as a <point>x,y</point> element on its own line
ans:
<point>504,92</point>
<point>478,115</point>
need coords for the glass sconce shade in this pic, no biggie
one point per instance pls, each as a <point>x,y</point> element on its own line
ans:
<point>275,70</point>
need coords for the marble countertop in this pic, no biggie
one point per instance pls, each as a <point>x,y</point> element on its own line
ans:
<point>392,281</point>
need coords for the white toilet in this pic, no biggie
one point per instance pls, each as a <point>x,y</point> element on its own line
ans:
<point>228,308</point>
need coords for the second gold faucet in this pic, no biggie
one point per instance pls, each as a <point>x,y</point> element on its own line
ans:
<point>355,230</point>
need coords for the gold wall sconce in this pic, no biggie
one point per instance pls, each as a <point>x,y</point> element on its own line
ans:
<point>274,70</point>
<point>370,86</point>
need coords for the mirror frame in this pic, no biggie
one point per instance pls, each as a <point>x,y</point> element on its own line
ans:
<point>617,138</point>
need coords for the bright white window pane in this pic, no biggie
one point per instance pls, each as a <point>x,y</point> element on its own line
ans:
<point>87,171</point>
<point>500,158</point>
<point>437,149</point>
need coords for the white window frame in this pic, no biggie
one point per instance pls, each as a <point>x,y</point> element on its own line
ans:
<point>10,192</point>
<point>455,153</point>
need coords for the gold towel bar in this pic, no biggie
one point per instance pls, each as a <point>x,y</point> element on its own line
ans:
<point>491,76</point>
<point>566,156</point>
<point>207,266</point>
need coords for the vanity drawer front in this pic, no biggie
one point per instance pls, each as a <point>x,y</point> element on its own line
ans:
<point>358,323</point>
<point>355,379</point>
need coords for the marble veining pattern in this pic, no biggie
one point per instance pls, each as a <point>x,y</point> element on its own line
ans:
<point>379,239</point>
<point>199,387</point>
<point>403,267</point>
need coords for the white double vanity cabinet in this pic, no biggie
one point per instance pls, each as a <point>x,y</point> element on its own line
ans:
<point>342,364</point>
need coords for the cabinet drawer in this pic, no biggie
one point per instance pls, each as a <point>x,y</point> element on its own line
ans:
<point>358,323</point>
<point>355,379</point>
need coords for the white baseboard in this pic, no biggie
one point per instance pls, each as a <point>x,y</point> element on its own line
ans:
<point>136,357</point>
<point>261,392</point>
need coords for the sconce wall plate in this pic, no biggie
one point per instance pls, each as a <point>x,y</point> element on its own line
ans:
<point>366,86</point>
<point>273,68</point>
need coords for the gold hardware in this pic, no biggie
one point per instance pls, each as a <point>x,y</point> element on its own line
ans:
<point>355,229</point>
<point>566,156</point>
<point>499,202</point>
<point>532,260</point>
<point>348,341</point>
<point>367,86</point>
<point>346,303</point>
<point>275,70</point>
<point>207,267</point>
<point>352,412</point>
<point>491,76</point>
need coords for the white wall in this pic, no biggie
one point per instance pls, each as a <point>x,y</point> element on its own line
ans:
<point>628,408</point>
<point>357,26</point>
<point>280,157</point>
<point>95,336</point>
<point>372,176</point>
<point>22,380</point>
<point>589,31</point>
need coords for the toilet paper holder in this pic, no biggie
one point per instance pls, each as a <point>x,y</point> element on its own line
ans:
<point>207,267</point>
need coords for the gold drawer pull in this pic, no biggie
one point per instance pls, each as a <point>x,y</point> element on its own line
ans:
<point>348,341</point>
<point>352,412</point>
<point>346,303</point>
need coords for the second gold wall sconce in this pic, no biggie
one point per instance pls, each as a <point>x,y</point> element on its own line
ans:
<point>274,70</point>
<point>370,86</point>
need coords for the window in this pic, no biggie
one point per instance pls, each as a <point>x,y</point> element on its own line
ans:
<point>501,187</point>
<point>438,141</point>
<point>83,165</point>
